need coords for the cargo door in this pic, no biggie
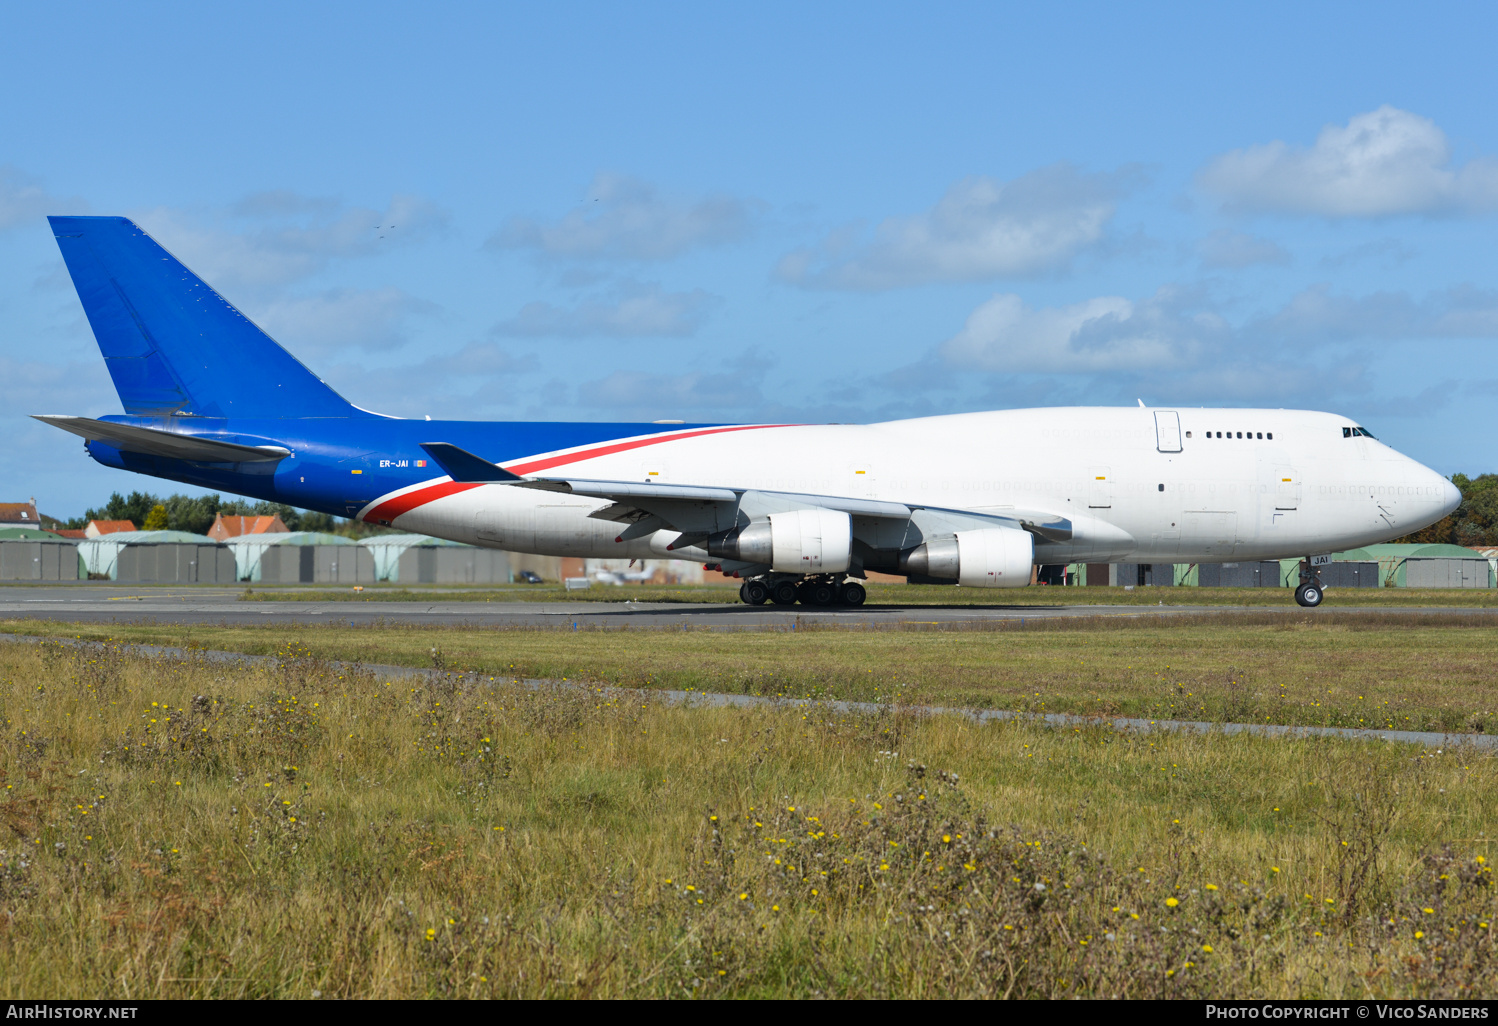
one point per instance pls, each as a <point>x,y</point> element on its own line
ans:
<point>1167,431</point>
<point>1209,532</point>
<point>1286,488</point>
<point>1100,488</point>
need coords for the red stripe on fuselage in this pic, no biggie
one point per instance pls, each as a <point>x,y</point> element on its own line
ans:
<point>388,510</point>
<point>608,450</point>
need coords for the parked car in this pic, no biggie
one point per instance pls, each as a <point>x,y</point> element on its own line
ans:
<point>530,577</point>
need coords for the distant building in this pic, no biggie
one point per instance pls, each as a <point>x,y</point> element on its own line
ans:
<point>19,514</point>
<point>228,527</point>
<point>76,534</point>
<point>98,528</point>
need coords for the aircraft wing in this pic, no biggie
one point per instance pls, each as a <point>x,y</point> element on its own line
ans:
<point>701,510</point>
<point>156,442</point>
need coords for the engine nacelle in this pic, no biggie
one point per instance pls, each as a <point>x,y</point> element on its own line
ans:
<point>995,557</point>
<point>801,541</point>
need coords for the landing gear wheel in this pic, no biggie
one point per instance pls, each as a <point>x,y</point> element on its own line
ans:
<point>820,594</point>
<point>1309,595</point>
<point>754,593</point>
<point>854,594</point>
<point>784,593</point>
<point>743,597</point>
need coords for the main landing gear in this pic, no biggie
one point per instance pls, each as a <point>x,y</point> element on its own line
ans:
<point>809,591</point>
<point>1310,593</point>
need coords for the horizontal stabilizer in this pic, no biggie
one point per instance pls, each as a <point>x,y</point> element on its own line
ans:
<point>462,465</point>
<point>156,442</point>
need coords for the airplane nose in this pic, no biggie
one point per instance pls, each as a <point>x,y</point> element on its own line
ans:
<point>1451,497</point>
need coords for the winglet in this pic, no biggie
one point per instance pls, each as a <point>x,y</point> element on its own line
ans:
<point>462,465</point>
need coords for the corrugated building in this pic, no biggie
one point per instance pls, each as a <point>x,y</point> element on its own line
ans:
<point>1409,566</point>
<point>301,557</point>
<point>157,557</point>
<point>419,559</point>
<point>28,554</point>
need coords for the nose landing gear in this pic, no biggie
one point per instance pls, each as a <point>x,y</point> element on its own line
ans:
<point>1310,593</point>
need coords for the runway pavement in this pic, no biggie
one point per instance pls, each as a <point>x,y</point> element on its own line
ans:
<point>113,603</point>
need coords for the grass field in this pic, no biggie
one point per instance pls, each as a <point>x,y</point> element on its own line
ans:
<point>899,595</point>
<point>189,829</point>
<point>1428,671</point>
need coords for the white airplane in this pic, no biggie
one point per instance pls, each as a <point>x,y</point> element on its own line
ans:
<point>799,512</point>
<point>802,511</point>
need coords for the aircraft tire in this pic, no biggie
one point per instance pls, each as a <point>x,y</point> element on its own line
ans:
<point>784,593</point>
<point>754,593</point>
<point>1309,595</point>
<point>853,594</point>
<point>743,596</point>
<point>820,594</point>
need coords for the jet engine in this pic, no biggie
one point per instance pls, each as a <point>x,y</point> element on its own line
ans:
<point>995,557</point>
<point>801,541</point>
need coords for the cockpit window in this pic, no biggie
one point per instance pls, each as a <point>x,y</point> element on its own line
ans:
<point>1365,432</point>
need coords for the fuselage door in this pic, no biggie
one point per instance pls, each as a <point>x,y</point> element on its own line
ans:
<point>1100,488</point>
<point>1286,488</point>
<point>1167,431</point>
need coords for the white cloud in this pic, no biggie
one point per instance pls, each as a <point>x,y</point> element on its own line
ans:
<point>1387,252</point>
<point>1178,335</point>
<point>335,319</point>
<point>644,311</point>
<point>1108,334</point>
<point>692,395</point>
<point>626,218</point>
<point>1385,162</point>
<point>1231,249</point>
<point>23,201</point>
<point>478,378</point>
<point>32,386</point>
<point>981,229</point>
<point>271,239</point>
<point>1317,313</point>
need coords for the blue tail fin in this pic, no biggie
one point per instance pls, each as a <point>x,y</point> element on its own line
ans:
<point>173,345</point>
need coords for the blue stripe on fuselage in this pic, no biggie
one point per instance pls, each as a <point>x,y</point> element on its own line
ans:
<point>325,452</point>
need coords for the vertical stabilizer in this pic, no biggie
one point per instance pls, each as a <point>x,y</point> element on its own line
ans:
<point>172,344</point>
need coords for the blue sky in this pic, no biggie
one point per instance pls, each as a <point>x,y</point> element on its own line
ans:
<point>830,213</point>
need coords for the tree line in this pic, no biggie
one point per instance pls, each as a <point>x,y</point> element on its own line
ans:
<point>196,513</point>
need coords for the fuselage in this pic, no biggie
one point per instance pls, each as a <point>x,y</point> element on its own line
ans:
<point>1136,484</point>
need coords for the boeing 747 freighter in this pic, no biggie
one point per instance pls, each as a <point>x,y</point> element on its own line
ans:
<point>799,512</point>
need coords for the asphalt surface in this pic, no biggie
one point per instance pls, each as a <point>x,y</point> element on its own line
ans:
<point>1426,739</point>
<point>113,603</point>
